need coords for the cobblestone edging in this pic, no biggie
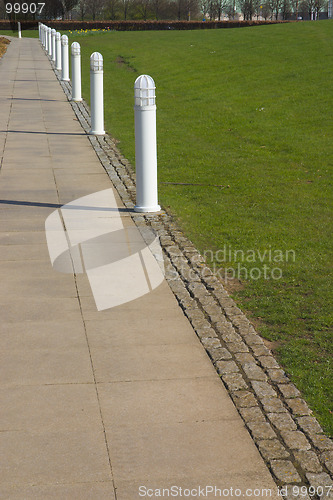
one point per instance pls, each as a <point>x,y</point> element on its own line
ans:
<point>288,437</point>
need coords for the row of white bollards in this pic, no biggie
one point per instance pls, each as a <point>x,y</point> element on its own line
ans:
<point>56,46</point>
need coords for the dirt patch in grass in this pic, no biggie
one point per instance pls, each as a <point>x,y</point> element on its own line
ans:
<point>3,45</point>
<point>233,285</point>
<point>122,62</point>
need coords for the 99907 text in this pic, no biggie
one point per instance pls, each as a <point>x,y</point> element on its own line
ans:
<point>24,8</point>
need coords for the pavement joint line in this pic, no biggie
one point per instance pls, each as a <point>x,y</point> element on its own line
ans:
<point>287,435</point>
<point>5,141</point>
<point>7,127</point>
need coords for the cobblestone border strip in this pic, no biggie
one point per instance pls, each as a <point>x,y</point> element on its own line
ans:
<point>288,437</point>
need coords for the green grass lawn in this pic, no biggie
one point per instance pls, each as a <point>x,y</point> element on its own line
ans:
<point>24,33</point>
<point>249,109</point>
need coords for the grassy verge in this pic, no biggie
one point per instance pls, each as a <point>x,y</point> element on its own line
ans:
<point>24,33</point>
<point>250,110</point>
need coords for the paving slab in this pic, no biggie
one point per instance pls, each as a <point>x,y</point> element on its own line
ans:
<point>26,252</point>
<point>54,407</point>
<point>84,491</point>
<point>104,386</point>
<point>53,457</point>
<point>192,447</point>
<point>35,352</point>
<point>177,400</point>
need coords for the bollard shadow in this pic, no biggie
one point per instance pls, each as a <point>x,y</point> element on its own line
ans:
<point>64,207</point>
<point>32,99</point>
<point>41,132</point>
<point>31,80</point>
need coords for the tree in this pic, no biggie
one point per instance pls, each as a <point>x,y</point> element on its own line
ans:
<point>95,8</point>
<point>204,7</point>
<point>211,8</point>
<point>53,9</point>
<point>257,6</point>
<point>285,9</point>
<point>309,7</point>
<point>3,13</point>
<point>184,8</point>
<point>143,7</point>
<point>83,8</point>
<point>294,7</point>
<point>180,8</point>
<point>266,11</point>
<point>191,9</point>
<point>276,6</point>
<point>111,9</point>
<point>126,4</point>
<point>230,10</point>
<point>68,5</point>
<point>220,7</point>
<point>319,6</point>
<point>246,8</point>
<point>165,9</point>
<point>156,4</point>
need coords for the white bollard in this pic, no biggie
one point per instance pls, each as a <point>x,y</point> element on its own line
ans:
<point>96,94</point>
<point>76,71</point>
<point>45,38</point>
<point>64,59</point>
<point>19,29</point>
<point>58,51</point>
<point>53,54</point>
<point>145,145</point>
<point>49,42</point>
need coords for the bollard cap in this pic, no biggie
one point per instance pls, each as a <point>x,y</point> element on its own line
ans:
<point>96,62</point>
<point>53,31</point>
<point>144,91</point>
<point>49,30</point>
<point>58,35</point>
<point>75,49</point>
<point>64,40</point>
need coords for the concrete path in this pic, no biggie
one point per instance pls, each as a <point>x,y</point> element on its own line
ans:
<point>106,392</point>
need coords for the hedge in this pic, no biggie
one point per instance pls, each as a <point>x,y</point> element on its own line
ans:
<point>134,25</point>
